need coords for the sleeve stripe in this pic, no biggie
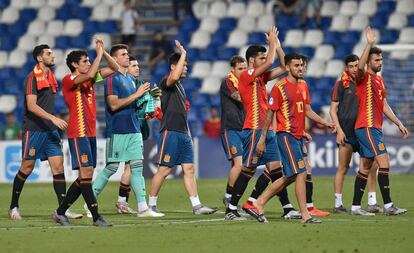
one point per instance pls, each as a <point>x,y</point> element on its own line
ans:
<point>29,84</point>
<point>334,97</point>
<point>109,86</point>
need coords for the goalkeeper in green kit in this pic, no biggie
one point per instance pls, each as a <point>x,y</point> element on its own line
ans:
<point>145,110</point>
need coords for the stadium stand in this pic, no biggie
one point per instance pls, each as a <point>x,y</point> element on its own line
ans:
<point>218,30</point>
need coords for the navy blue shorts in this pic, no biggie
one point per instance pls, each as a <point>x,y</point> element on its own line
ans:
<point>175,148</point>
<point>293,152</point>
<point>250,138</point>
<point>83,152</point>
<point>41,145</point>
<point>232,143</point>
<point>370,140</point>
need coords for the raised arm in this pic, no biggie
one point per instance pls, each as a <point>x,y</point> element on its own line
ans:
<point>391,115</point>
<point>271,39</point>
<point>179,67</point>
<point>94,67</point>
<point>276,72</point>
<point>371,38</point>
<point>112,65</point>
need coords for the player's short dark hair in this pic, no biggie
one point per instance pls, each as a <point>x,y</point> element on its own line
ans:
<point>292,56</point>
<point>174,58</point>
<point>374,50</point>
<point>74,57</point>
<point>304,58</point>
<point>38,50</point>
<point>132,58</point>
<point>254,50</point>
<point>350,58</point>
<point>117,47</point>
<point>236,59</point>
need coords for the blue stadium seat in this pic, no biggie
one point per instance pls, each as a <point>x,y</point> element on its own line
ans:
<point>90,26</point>
<point>197,99</point>
<point>81,41</point>
<point>225,53</point>
<point>351,37</point>
<point>108,26</point>
<point>183,37</point>
<point>256,38</point>
<point>193,54</point>
<point>18,29</point>
<point>3,29</point>
<point>5,73</point>
<point>63,42</point>
<point>2,119</point>
<point>192,83</point>
<point>8,43</point>
<point>219,38</point>
<point>284,21</point>
<point>410,20</point>
<point>308,51</point>
<point>378,21</point>
<point>208,54</point>
<point>215,100</point>
<point>28,15</point>
<point>389,36</point>
<point>386,7</point>
<point>326,84</point>
<point>228,24</point>
<point>65,12</point>
<point>326,23</point>
<point>190,24</point>
<point>332,37</point>
<point>342,50</point>
<point>4,4</point>
<point>83,13</point>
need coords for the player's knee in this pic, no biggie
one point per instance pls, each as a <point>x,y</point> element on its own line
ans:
<point>164,171</point>
<point>343,169</point>
<point>136,166</point>
<point>189,170</point>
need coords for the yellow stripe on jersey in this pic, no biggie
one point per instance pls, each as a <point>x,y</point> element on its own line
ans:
<point>255,108</point>
<point>285,105</point>
<point>370,115</point>
<point>79,106</point>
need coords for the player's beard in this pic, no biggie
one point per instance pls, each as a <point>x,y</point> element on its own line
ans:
<point>50,65</point>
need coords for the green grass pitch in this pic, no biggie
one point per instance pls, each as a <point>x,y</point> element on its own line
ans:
<point>181,231</point>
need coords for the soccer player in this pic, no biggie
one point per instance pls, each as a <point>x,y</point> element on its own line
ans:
<point>41,139</point>
<point>124,142</point>
<point>310,113</point>
<point>252,89</point>
<point>372,104</point>
<point>343,111</point>
<point>288,99</point>
<point>124,188</point>
<point>79,94</point>
<point>175,146</point>
<point>232,118</point>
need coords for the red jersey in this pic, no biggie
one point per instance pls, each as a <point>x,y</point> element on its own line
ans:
<point>289,101</point>
<point>82,107</point>
<point>253,94</point>
<point>370,90</point>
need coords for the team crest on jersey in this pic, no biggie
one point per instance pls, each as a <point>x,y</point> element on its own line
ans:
<point>167,158</point>
<point>381,146</point>
<point>233,150</point>
<point>304,149</point>
<point>84,158</point>
<point>271,101</point>
<point>32,152</point>
<point>301,164</point>
<point>250,72</point>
